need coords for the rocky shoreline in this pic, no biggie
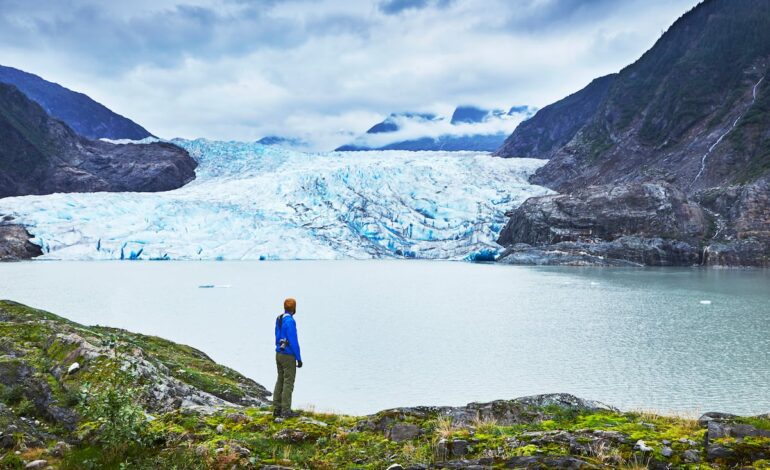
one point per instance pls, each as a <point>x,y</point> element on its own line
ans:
<point>193,413</point>
<point>641,224</point>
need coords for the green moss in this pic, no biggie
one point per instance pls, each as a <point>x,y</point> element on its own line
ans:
<point>11,461</point>
<point>759,423</point>
<point>184,439</point>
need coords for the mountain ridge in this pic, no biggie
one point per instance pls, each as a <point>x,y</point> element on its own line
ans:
<point>693,113</point>
<point>470,128</point>
<point>42,155</point>
<point>84,115</point>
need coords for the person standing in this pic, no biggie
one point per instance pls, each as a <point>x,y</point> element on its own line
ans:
<point>287,359</point>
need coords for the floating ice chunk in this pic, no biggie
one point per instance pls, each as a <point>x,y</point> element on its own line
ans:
<point>705,302</point>
<point>214,286</point>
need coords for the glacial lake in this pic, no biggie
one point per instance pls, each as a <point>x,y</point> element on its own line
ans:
<point>381,334</point>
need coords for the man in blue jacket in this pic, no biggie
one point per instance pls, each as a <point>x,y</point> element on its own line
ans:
<point>287,359</point>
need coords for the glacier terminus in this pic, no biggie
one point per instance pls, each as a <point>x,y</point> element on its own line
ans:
<point>250,202</point>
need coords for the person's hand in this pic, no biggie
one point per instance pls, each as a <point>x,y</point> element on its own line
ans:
<point>299,363</point>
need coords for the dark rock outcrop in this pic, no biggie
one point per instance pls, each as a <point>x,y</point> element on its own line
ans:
<point>608,212</point>
<point>730,441</point>
<point>15,244</point>
<point>84,115</point>
<point>634,224</point>
<point>503,412</point>
<point>40,155</point>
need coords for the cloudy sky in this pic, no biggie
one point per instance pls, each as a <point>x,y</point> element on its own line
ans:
<point>321,69</point>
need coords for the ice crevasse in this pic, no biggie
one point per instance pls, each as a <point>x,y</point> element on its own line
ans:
<point>250,201</point>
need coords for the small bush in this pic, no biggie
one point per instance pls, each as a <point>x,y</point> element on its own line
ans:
<point>11,462</point>
<point>112,408</point>
<point>12,395</point>
<point>25,408</point>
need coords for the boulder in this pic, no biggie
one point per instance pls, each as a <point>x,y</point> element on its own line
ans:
<point>60,448</point>
<point>547,462</point>
<point>452,448</point>
<point>291,436</point>
<point>718,429</point>
<point>642,447</point>
<point>16,244</point>
<point>691,456</point>
<point>403,432</point>
<point>718,452</point>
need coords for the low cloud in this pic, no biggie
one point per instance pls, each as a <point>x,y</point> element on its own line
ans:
<point>322,70</point>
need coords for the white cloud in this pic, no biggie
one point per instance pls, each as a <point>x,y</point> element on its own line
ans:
<point>322,70</point>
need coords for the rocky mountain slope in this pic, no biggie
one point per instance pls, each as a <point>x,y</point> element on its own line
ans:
<point>556,124</point>
<point>84,115</point>
<point>76,397</point>
<point>693,112</point>
<point>41,155</point>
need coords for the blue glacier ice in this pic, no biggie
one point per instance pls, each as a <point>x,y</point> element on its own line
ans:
<point>251,201</point>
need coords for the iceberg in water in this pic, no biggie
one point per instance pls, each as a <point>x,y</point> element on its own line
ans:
<point>251,201</point>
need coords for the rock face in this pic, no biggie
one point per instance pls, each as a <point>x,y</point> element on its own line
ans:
<point>694,111</point>
<point>84,115</point>
<point>609,212</point>
<point>40,155</point>
<point>556,124</point>
<point>15,244</point>
<point>633,224</point>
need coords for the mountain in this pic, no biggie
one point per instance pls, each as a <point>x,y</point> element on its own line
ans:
<point>556,124</point>
<point>41,155</point>
<point>693,112</point>
<point>470,128</point>
<point>293,143</point>
<point>701,86</point>
<point>84,115</point>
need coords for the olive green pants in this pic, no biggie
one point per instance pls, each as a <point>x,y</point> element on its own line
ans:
<point>284,386</point>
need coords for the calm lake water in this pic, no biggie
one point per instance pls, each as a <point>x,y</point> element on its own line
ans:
<point>380,334</point>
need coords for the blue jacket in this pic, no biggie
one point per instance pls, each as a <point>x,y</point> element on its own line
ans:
<point>288,330</point>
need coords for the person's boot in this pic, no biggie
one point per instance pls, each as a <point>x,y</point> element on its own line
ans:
<point>276,412</point>
<point>289,414</point>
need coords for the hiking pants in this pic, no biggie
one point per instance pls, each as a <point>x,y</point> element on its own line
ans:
<point>284,386</point>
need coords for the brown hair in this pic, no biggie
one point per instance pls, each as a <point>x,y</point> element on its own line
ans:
<point>290,305</point>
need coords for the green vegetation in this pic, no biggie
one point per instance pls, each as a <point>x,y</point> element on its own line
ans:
<point>114,412</point>
<point>750,137</point>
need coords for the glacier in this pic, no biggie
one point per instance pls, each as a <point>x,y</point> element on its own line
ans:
<point>255,202</point>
